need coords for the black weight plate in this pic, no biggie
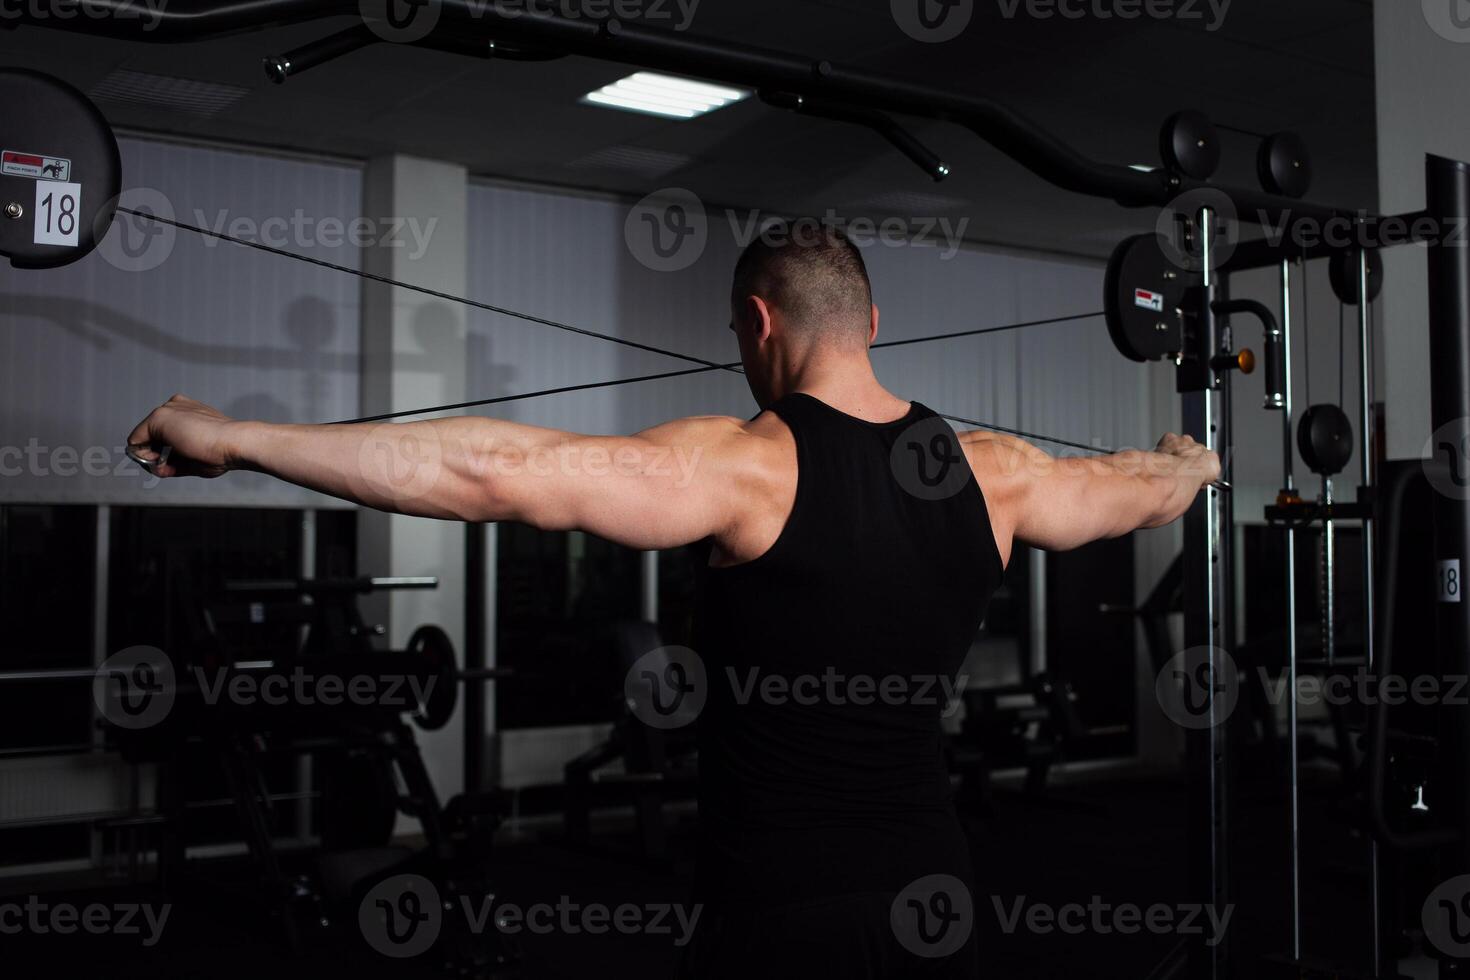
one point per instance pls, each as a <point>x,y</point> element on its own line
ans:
<point>434,651</point>
<point>1189,144</point>
<point>59,169</point>
<point>1283,165</point>
<point>1342,273</point>
<point>1325,438</point>
<point>1141,292</point>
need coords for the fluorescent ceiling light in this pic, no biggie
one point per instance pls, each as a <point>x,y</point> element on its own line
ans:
<point>664,95</point>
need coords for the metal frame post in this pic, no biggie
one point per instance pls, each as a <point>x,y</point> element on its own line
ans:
<point>1447,191</point>
<point>1206,601</point>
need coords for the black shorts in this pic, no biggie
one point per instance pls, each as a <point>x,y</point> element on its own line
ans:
<point>851,937</point>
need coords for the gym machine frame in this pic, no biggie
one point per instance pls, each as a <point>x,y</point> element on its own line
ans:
<point>821,88</point>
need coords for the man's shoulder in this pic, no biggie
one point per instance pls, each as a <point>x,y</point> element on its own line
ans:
<point>996,453</point>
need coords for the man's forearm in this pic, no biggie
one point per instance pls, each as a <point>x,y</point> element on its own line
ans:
<point>1174,482</point>
<point>426,469</point>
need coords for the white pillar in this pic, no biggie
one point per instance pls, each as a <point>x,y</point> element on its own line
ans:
<point>413,354</point>
<point>1422,61</point>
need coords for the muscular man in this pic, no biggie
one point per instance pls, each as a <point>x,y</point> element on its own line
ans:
<point>854,541</point>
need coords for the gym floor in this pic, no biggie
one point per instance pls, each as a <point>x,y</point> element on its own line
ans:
<point>1112,839</point>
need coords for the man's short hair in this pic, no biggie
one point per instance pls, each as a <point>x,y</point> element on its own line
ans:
<point>813,274</point>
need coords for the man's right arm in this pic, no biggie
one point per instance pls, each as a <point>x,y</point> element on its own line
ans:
<point>1059,504</point>
<point>667,486</point>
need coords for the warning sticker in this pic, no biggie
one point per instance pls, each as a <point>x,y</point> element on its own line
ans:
<point>1148,300</point>
<point>34,165</point>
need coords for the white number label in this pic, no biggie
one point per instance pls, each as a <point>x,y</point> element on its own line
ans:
<point>58,210</point>
<point>1449,580</point>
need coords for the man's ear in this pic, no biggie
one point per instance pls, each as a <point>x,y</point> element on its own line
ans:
<point>759,315</point>
<point>873,328</point>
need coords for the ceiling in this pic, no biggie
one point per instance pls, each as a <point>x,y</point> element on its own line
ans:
<point>1102,84</point>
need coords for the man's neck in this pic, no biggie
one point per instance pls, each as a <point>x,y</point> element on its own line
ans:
<point>848,384</point>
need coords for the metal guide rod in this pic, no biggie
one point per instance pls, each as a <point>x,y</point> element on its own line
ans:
<point>1292,722</point>
<point>1365,462</point>
<point>1328,571</point>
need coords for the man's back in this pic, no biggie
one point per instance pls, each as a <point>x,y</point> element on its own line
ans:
<point>830,658</point>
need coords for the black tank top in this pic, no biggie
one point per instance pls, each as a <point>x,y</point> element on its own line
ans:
<point>829,660</point>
